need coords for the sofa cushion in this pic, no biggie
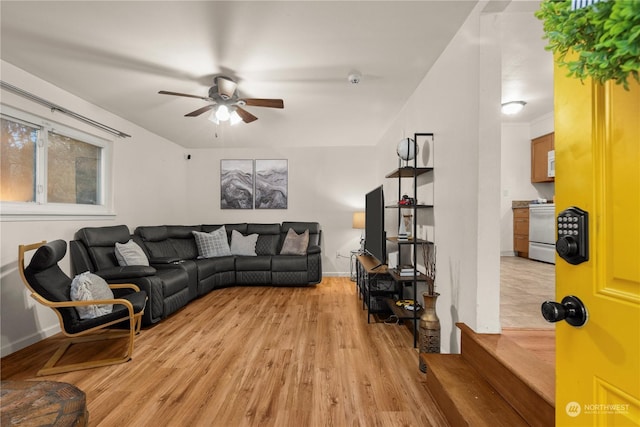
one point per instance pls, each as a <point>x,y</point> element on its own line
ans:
<point>295,244</point>
<point>269,237</point>
<point>100,243</point>
<point>156,242</point>
<point>212,244</point>
<point>243,245</point>
<point>130,253</point>
<point>209,266</point>
<point>285,263</point>
<point>182,240</point>
<point>253,263</point>
<point>86,287</point>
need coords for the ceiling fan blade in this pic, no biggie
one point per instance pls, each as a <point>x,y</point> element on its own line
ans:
<point>246,116</point>
<point>164,92</point>
<point>200,111</point>
<point>262,102</point>
<point>226,87</point>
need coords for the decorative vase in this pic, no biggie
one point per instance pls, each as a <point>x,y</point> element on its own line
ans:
<point>429,328</point>
<point>408,224</point>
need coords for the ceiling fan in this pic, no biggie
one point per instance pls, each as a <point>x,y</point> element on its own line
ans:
<point>227,102</point>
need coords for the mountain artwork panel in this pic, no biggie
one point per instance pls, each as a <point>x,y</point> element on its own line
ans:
<point>236,184</point>
<point>271,186</point>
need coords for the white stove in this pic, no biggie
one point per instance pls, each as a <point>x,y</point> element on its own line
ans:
<point>542,232</point>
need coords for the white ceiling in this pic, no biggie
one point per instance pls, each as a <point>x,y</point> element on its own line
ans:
<point>118,55</point>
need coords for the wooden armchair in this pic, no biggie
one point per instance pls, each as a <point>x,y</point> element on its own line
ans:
<point>50,286</point>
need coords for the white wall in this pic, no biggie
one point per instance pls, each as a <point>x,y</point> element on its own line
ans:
<point>449,102</point>
<point>145,192</point>
<point>326,185</point>
<point>516,182</point>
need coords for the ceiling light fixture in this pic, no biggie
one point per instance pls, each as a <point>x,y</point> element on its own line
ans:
<point>234,118</point>
<point>223,113</point>
<point>512,107</point>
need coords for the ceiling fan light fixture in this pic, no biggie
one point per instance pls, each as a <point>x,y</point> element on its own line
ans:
<point>513,107</point>
<point>222,113</point>
<point>234,118</point>
<point>213,118</point>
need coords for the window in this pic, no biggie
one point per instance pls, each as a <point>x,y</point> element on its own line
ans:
<point>51,169</point>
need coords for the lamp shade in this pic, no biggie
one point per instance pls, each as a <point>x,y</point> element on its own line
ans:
<point>358,220</point>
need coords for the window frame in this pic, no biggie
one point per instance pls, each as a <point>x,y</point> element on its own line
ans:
<point>41,208</point>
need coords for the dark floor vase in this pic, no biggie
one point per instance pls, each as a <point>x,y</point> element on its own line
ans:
<point>429,328</point>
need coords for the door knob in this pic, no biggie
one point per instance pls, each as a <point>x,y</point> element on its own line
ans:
<point>571,309</point>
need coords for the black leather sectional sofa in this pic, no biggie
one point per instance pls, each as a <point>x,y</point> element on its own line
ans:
<point>177,275</point>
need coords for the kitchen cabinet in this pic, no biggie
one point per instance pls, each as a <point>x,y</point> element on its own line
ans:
<point>521,232</point>
<point>540,148</point>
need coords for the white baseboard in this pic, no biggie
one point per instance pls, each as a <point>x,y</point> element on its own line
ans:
<point>23,342</point>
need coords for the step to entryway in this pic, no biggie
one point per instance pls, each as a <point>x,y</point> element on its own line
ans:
<point>493,382</point>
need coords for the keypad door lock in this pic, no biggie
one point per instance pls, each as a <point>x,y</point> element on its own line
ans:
<point>573,235</point>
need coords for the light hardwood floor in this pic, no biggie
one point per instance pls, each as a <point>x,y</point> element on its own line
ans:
<point>256,356</point>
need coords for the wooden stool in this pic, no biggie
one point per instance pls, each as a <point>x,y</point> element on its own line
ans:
<point>42,403</point>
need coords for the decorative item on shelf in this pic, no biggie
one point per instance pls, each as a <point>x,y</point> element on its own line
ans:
<point>408,304</point>
<point>405,270</point>
<point>429,325</point>
<point>429,259</point>
<point>402,232</point>
<point>407,150</point>
<point>407,201</point>
<point>407,218</point>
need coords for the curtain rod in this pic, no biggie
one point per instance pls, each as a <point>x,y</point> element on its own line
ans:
<point>56,107</point>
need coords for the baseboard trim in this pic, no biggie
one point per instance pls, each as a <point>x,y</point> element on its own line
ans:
<point>33,338</point>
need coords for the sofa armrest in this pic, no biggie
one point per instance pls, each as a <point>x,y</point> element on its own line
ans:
<point>129,272</point>
<point>314,250</point>
<point>165,260</point>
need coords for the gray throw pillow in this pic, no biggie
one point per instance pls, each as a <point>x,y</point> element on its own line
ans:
<point>86,287</point>
<point>212,244</point>
<point>130,253</point>
<point>295,244</point>
<point>243,245</point>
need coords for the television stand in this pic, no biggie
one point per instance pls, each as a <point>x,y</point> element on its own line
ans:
<point>375,285</point>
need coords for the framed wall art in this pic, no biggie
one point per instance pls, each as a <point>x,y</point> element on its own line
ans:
<point>271,184</point>
<point>236,184</point>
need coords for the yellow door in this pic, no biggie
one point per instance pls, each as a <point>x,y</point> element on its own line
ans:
<point>597,143</point>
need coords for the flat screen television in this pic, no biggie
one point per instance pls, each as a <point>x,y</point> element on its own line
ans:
<point>375,238</point>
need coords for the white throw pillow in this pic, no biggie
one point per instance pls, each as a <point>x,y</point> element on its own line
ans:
<point>130,253</point>
<point>212,244</point>
<point>86,287</point>
<point>243,245</point>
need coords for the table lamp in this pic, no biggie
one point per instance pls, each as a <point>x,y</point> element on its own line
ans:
<point>358,223</point>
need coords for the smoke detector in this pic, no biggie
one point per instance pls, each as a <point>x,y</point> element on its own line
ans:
<point>354,78</point>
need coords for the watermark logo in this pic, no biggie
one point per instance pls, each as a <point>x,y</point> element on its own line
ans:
<point>573,409</point>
